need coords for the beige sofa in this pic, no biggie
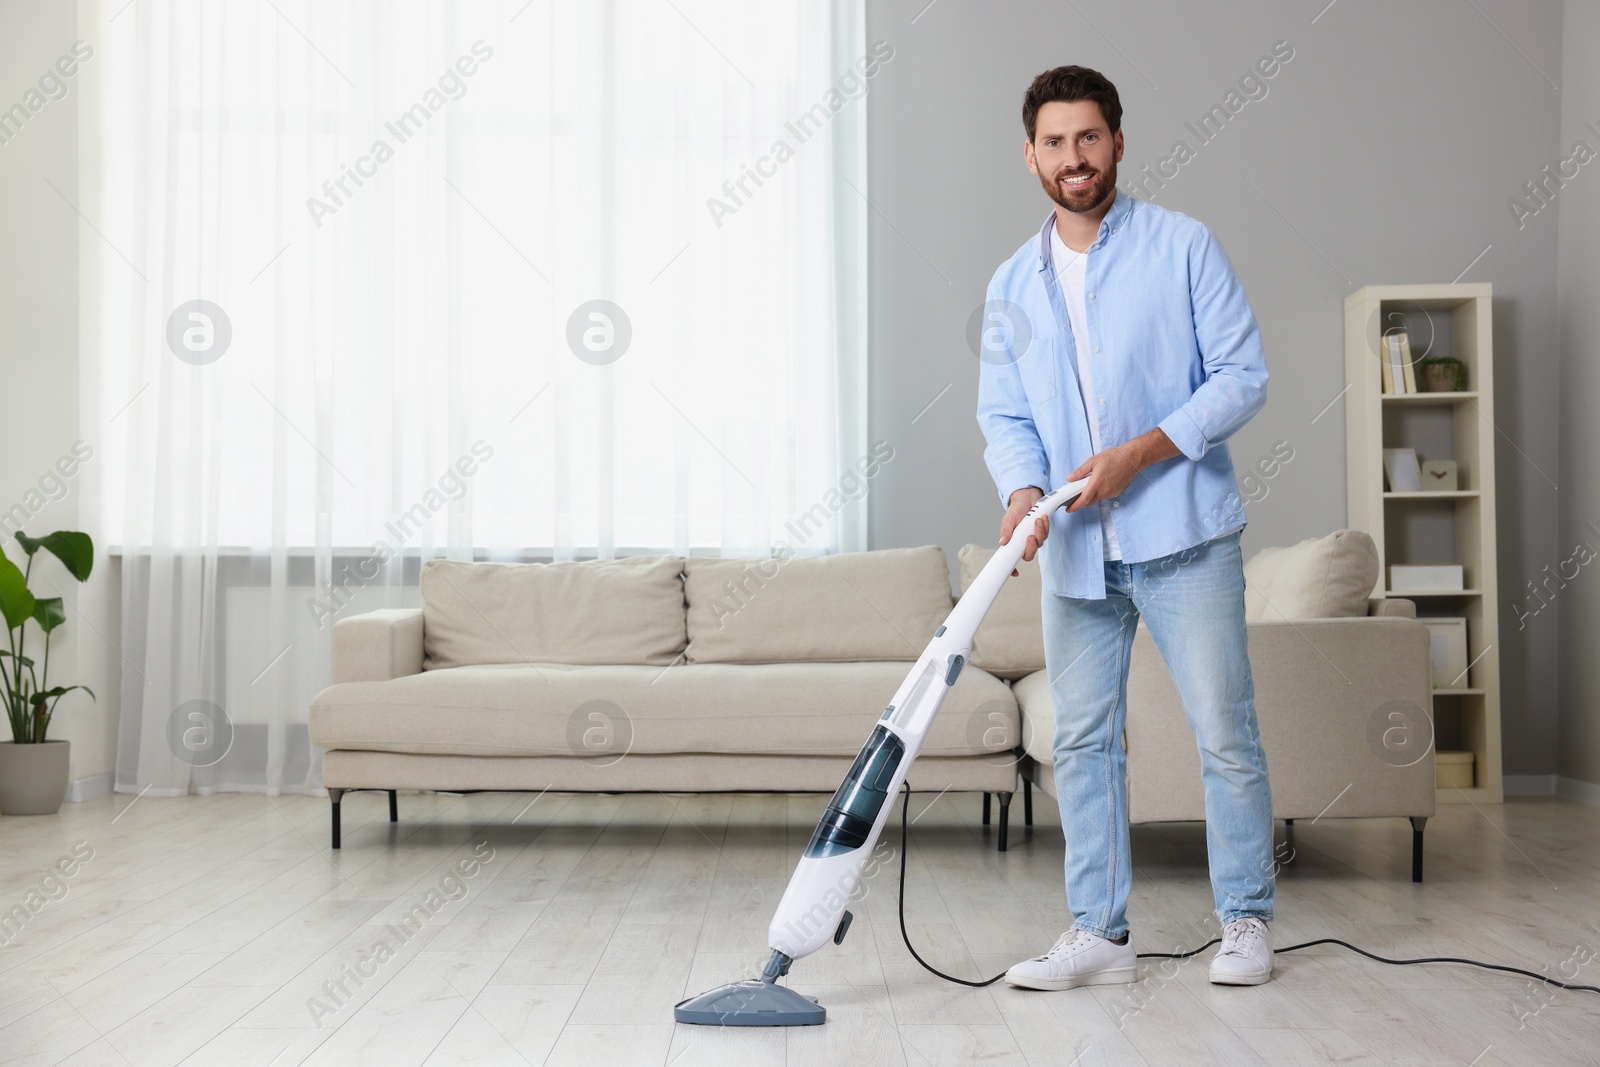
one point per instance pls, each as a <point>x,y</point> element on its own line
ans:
<point>1342,702</point>
<point>701,675</point>
<point>652,673</point>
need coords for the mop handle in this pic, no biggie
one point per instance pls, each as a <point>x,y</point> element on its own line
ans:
<point>980,595</point>
<point>1047,505</point>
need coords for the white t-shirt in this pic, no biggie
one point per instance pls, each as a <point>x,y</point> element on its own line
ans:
<point>1070,268</point>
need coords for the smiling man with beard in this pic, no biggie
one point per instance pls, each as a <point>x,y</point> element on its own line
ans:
<point>1119,347</point>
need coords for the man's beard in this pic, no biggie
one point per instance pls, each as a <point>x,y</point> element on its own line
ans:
<point>1089,197</point>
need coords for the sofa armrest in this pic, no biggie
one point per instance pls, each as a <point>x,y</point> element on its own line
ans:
<point>378,645</point>
<point>1391,607</point>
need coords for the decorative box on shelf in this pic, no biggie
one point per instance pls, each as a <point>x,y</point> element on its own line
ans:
<point>1452,770</point>
<point>1427,577</point>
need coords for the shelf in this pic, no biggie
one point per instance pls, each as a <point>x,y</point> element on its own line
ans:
<point>1414,594</point>
<point>1432,494</point>
<point>1434,525</point>
<point>1429,398</point>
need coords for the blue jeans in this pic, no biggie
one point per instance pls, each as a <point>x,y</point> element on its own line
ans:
<point>1193,604</point>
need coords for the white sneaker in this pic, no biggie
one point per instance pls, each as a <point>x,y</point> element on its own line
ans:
<point>1078,958</point>
<point>1245,956</point>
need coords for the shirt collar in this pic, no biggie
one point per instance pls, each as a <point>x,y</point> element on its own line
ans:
<point>1121,205</point>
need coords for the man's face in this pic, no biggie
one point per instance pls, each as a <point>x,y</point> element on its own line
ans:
<point>1074,154</point>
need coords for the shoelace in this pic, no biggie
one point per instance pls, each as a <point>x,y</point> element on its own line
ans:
<point>1064,941</point>
<point>1240,937</point>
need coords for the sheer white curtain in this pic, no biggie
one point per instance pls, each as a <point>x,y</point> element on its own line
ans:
<point>373,282</point>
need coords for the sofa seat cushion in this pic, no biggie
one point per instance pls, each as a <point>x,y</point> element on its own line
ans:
<point>607,712</point>
<point>597,611</point>
<point>1320,578</point>
<point>849,607</point>
<point>1037,711</point>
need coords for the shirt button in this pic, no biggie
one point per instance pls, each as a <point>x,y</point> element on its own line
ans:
<point>1091,296</point>
<point>1097,348</point>
<point>1116,503</point>
<point>1102,401</point>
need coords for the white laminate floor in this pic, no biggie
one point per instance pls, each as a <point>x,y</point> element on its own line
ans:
<point>223,931</point>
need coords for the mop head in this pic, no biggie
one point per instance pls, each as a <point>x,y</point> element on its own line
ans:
<point>753,1002</point>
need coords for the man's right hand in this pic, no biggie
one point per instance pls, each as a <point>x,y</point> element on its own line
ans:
<point>1021,501</point>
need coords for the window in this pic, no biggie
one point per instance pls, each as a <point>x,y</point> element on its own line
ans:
<point>519,278</point>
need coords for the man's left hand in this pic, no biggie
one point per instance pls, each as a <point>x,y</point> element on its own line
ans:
<point>1111,471</point>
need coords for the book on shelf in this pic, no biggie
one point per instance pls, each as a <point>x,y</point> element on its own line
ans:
<point>1405,361</point>
<point>1398,376</point>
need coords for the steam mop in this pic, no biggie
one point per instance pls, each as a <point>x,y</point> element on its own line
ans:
<point>813,906</point>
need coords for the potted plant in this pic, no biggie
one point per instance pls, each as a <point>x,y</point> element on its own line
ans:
<point>33,769</point>
<point>1444,374</point>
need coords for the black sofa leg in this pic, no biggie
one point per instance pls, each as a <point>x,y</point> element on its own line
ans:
<point>335,795</point>
<point>1417,823</point>
<point>1005,815</point>
<point>1027,801</point>
<point>986,809</point>
<point>394,806</point>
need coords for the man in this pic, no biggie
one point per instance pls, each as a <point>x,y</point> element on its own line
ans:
<point>1119,347</point>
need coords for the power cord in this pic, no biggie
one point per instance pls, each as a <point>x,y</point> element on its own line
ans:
<point>905,839</point>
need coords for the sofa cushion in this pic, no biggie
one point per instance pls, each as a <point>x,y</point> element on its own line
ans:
<point>1010,641</point>
<point>849,607</point>
<point>1319,578</point>
<point>1038,715</point>
<point>599,611</point>
<point>607,712</point>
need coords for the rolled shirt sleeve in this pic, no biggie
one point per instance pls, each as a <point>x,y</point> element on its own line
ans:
<point>1235,368</point>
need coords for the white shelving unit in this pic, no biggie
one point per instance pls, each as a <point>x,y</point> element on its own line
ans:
<point>1432,526</point>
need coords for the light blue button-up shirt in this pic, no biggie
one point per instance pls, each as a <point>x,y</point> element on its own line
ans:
<point>1174,345</point>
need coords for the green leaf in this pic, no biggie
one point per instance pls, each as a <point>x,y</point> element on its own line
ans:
<point>16,603</point>
<point>59,690</point>
<point>49,613</point>
<point>75,550</point>
<point>24,660</point>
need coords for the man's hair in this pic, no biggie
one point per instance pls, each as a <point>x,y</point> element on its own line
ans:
<point>1067,84</point>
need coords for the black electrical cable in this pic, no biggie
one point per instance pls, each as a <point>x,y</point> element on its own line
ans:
<point>905,839</point>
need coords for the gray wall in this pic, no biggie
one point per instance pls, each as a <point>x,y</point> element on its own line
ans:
<point>1579,378</point>
<point>1466,118</point>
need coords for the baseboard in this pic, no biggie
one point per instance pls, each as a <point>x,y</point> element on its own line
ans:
<point>1551,785</point>
<point>1529,785</point>
<point>81,789</point>
<point>1579,790</point>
